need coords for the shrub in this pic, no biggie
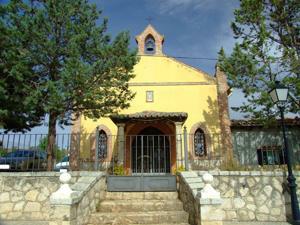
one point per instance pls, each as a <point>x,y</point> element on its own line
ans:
<point>119,170</point>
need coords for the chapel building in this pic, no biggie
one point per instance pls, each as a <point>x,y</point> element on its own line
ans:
<point>172,101</point>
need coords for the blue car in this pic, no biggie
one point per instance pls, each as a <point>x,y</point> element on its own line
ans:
<point>24,160</point>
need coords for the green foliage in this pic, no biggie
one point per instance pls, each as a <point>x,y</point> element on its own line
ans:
<point>18,109</point>
<point>57,60</point>
<point>2,152</point>
<point>58,153</point>
<point>119,170</point>
<point>178,170</point>
<point>268,49</point>
<point>232,165</point>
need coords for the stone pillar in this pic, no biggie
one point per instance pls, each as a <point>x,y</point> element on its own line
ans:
<point>63,210</point>
<point>223,91</point>
<point>210,202</point>
<point>179,152</point>
<point>121,142</point>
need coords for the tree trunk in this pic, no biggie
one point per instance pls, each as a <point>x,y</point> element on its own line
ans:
<point>51,141</point>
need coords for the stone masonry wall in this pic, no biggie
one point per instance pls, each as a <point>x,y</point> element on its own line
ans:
<point>246,195</point>
<point>255,195</point>
<point>189,185</point>
<point>90,200</point>
<point>26,196</point>
<point>189,202</point>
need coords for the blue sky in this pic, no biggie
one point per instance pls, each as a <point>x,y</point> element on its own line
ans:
<point>193,28</point>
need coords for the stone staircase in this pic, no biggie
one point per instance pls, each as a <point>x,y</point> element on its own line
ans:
<point>140,208</point>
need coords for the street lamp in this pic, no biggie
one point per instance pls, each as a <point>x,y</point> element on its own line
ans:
<point>279,96</point>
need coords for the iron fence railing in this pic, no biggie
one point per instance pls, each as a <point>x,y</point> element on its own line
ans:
<point>150,154</point>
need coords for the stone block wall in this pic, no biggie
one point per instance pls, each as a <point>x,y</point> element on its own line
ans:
<point>75,209</point>
<point>255,195</point>
<point>90,200</point>
<point>187,194</point>
<point>26,197</point>
<point>246,196</point>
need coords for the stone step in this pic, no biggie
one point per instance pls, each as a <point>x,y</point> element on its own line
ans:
<point>140,205</point>
<point>141,195</point>
<point>139,217</point>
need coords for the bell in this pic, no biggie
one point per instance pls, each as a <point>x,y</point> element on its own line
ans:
<point>150,46</point>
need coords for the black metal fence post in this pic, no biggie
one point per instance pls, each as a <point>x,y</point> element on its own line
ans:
<point>96,166</point>
<point>186,155</point>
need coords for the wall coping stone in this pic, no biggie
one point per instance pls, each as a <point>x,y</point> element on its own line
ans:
<point>188,174</point>
<point>224,173</point>
<point>210,201</point>
<point>234,172</point>
<point>50,174</point>
<point>246,173</point>
<point>194,180</point>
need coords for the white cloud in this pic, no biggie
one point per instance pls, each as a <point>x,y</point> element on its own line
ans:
<point>172,7</point>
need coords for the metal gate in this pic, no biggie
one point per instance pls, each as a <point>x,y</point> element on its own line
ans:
<point>150,162</point>
<point>150,154</point>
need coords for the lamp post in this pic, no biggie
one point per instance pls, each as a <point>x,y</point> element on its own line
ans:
<point>279,96</point>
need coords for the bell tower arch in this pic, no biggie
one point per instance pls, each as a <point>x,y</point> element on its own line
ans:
<point>150,42</point>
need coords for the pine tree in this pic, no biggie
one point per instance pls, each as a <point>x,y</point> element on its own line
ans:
<point>64,64</point>
<point>268,49</point>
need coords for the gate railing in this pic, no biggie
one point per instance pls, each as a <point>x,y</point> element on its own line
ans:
<point>151,154</point>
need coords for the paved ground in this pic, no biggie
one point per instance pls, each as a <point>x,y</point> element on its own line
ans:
<point>256,223</point>
<point>224,223</point>
<point>24,223</point>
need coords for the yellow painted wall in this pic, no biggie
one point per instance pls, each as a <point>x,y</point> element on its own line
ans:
<point>199,101</point>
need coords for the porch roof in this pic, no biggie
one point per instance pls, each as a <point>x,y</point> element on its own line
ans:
<point>149,116</point>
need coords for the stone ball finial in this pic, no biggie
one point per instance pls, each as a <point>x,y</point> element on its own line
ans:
<point>208,191</point>
<point>64,192</point>
<point>65,178</point>
<point>207,178</point>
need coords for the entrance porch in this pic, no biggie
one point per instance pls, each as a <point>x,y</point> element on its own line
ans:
<point>149,142</point>
<point>149,150</point>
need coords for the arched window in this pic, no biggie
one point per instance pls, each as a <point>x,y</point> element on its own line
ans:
<point>199,143</point>
<point>102,145</point>
<point>149,45</point>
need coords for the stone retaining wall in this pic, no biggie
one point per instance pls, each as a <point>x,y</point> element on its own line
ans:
<point>75,209</point>
<point>89,202</point>
<point>188,196</point>
<point>26,196</point>
<point>255,195</point>
<point>247,196</point>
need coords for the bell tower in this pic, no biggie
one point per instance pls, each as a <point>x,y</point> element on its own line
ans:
<point>150,42</point>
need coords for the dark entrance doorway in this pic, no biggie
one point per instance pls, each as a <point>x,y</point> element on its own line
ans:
<point>150,152</point>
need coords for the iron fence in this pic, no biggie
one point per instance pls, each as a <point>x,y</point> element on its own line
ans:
<point>146,154</point>
<point>250,150</point>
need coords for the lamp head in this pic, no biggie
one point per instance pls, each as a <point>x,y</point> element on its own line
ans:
<point>279,93</point>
